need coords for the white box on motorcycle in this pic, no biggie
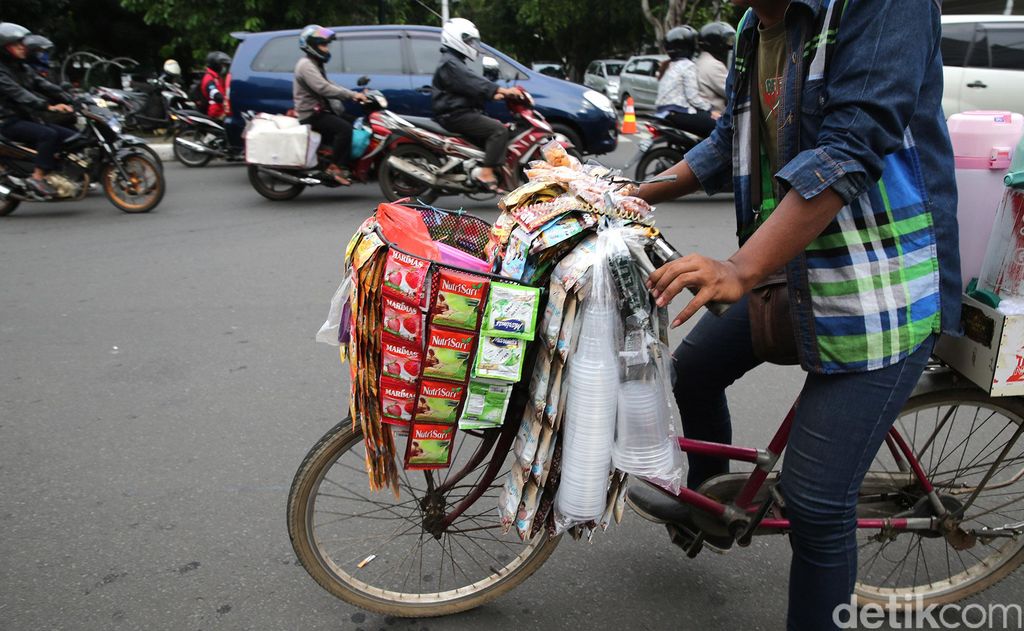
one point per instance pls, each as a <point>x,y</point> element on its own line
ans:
<point>280,141</point>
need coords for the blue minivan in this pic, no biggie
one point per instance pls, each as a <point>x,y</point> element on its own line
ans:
<point>400,61</point>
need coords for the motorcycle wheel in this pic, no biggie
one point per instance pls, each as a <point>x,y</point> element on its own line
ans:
<point>191,159</point>
<point>271,187</point>
<point>657,160</point>
<point>8,206</point>
<point>395,185</point>
<point>143,189</point>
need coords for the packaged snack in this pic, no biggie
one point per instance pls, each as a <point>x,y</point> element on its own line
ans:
<point>527,510</point>
<point>500,358</point>
<point>540,380</point>
<point>401,319</point>
<point>525,445</point>
<point>486,404</point>
<point>448,354</point>
<point>439,401</point>
<point>542,460</point>
<point>364,248</point>
<point>551,406</point>
<point>574,267</point>
<point>516,252</point>
<point>400,358</point>
<point>512,311</point>
<point>429,446</point>
<point>405,276</point>
<point>564,341</point>
<point>397,400</point>
<point>551,322</point>
<point>459,299</point>
<point>560,229</point>
<point>511,494</point>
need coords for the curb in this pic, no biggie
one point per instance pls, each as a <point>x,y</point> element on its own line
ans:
<point>163,149</point>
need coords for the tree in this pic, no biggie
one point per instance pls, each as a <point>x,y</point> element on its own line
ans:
<point>696,13</point>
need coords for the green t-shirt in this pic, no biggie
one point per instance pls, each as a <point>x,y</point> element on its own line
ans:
<point>771,65</point>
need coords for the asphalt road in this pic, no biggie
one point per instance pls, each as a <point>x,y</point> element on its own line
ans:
<point>159,385</point>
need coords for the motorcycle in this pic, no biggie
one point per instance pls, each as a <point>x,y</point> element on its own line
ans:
<point>148,107</point>
<point>129,177</point>
<point>425,160</point>
<point>284,183</point>
<point>664,146</point>
<point>200,138</point>
<point>125,139</point>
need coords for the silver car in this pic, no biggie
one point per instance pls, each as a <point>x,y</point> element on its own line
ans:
<point>603,75</point>
<point>639,79</point>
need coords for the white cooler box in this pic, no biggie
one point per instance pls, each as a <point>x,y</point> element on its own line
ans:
<point>991,352</point>
<point>280,141</point>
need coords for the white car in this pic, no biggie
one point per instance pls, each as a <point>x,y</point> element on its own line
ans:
<point>603,75</point>
<point>983,63</point>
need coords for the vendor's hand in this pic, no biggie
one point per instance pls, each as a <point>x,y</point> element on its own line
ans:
<point>61,107</point>
<point>713,280</point>
<point>715,115</point>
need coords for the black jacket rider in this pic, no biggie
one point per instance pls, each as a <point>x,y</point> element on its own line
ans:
<point>460,95</point>
<point>20,90</point>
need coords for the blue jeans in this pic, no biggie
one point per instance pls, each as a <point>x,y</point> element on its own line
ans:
<point>45,139</point>
<point>841,421</point>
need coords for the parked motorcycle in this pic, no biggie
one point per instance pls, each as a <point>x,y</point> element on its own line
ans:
<point>424,160</point>
<point>129,177</point>
<point>200,138</point>
<point>284,183</point>
<point>148,106</point>
<point>664,146</point>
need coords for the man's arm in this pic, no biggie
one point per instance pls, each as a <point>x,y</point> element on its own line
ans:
<point>14,92</point>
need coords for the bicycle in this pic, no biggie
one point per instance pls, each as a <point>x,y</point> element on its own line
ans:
<point>943,497</point>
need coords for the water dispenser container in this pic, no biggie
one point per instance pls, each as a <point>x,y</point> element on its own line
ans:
<point>983,145</point>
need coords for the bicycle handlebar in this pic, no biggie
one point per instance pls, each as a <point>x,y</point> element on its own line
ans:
<point>667,253</point>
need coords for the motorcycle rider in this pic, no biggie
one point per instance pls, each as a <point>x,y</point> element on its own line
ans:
<point>24,95</point>
<point>679,99</point>
<point>213,86</point>
<point>311,91</point>
<point>460,95</point>
<point>39,49</point>
<point>715,41</point>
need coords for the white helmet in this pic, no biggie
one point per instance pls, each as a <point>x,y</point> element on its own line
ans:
<point>172,67</point>
<point>462,36</point>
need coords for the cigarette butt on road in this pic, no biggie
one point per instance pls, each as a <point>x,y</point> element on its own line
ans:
<point>366,561</point>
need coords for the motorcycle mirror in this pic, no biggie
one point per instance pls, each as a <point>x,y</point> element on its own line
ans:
<point>363,81</point>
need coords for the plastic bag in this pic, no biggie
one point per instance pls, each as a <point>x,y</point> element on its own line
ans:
<point>591,403</point>
<point>329,333</point>
<point>404,227</point>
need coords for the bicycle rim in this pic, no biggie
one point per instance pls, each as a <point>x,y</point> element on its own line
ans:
<point>375,551</point>
<point>957,436</point>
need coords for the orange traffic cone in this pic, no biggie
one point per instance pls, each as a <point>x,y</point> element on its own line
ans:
<point>629,117</point>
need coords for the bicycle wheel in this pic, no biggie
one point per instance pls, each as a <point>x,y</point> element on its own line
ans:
<point>970,447</point>
<point>378,553</point>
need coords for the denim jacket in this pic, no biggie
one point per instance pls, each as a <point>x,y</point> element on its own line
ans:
<point>861,113</point>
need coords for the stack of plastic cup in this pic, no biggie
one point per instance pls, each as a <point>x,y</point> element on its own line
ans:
<point>642,443</point>
<point>591,405</point>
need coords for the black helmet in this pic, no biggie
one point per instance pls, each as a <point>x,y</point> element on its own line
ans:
<point>38,44</point>
<point>218,61</point>
<point>11,33</point>
<point>681,42</point>
<point>718,39</point>
<point>314,36</point>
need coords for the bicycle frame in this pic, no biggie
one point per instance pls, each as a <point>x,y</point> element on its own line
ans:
<point>742,516</point>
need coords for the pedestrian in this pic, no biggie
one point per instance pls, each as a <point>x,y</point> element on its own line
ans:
<point>842,168</point>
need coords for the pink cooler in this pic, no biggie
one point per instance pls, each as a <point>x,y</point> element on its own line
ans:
<point>983,143</point>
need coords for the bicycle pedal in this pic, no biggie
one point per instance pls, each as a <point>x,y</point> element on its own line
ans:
<point>692,544</point>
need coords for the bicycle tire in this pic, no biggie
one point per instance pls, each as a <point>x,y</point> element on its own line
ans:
<point>968,582</point>
<point>321,457</point>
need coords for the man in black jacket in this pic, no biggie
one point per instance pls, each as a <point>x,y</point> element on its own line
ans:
<point>24,94</point>
<point>460,95</point>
